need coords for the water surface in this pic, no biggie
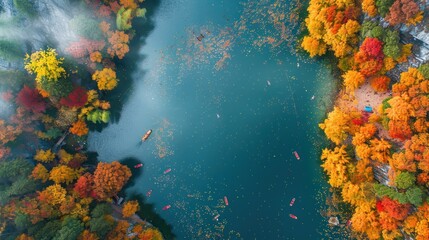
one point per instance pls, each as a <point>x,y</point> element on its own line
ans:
<point>227,110</point>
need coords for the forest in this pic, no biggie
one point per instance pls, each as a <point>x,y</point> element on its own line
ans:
<point>378,163</point>
<point>50,186</point>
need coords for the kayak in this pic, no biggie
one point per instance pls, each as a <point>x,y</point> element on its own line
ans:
<point>167,171</point>
<point>293,216</point>
<point>292,202</point>
<point>149,193</point>
<point>147,134</point>
<point>166,207</point>
<point>225,199</point>
<point>138,165</point>
<point>296,155</point>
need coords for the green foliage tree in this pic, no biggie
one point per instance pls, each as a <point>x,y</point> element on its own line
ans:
<point>383,6</point>
<point>14,180</point>
<point>98,116</point>
<point>405,180</point>
<point>101,226</point>
<point>101,210</point>
<point>22,221</point>
<point>56,89</point>
<point>415,196</point>
<point>49,230</point>
<point>391,46</point>
<point>424,70</point>
<point>71,228</point>
<point>372,29</point>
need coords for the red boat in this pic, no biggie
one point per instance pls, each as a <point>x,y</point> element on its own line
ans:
<point>138,165</point>
<point>167,171</point>
<point>225,199</point>
<point>296,155</point>
<point>216,217</point>
<point>149,193</point>
<point>166,207</point>
<point>293,216</point>
<point>146,136</point>
<point>292,202</point>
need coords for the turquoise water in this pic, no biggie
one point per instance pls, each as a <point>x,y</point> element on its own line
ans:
<point>226,112</point>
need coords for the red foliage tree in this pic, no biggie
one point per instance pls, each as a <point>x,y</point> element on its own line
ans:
<point>394,208</point>
<point>31,99</point>
<point>77,98</point>
<point>372,47</point>
<point>84,185</point>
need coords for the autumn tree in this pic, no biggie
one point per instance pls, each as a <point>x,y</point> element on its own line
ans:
<point>395,209</point>
<point>369,7</point>
<point>352,80</point>
<point>401,11</point>
<point>84,185</point>
<point>336,125</point>
<point>130,208</point>
<point>63,174</point>
<point>40,173</point>
<point>79,128</point>
<point>31,99</point>
<point>335,164</point>
<point>118,44</point>
<point>383,6</point>
<point>44,156</point>
<point>53,195</point>
<point>380,83</point>
<point>106,79</point>
<point>45,65</point>
<point>313,46</point>
<point>77,98</point>
<point>109,178</point>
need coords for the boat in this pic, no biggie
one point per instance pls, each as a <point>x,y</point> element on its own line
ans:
<point>312,97</point>
<point>268,83</point>
<point>147,134</point>
<point>293,216</point>
<point>216,217</point>
<point>167,171</point>
<point>292,202</point>
<point>296,155</point>
<point>149,193</point>
<point>166,207</point>
<point>138,165</point>
<point>225,199</point>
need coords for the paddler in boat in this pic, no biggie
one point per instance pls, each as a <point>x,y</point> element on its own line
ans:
<point>146,136</point>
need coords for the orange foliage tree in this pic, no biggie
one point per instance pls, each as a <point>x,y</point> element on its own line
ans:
<point>380,83</point>
<point>79,128</point>
<point>130,208</point>
<point>109,178</point>
<point>118,44</point>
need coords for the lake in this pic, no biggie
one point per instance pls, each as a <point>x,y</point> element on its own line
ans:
<point>228,99</point>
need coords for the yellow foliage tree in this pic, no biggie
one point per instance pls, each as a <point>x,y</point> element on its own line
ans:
<point>352,80</point>
<point>44,156</point>
<point>335,165</point>
<point>313,46</point>
<point>53,195</point>
<point>40,172</point>
<point>368,7</point>
<point>79,128</point>
<point>45,64</point>
<point>336,125</point>
<point>63,174</point>
<point>64,156</point>
<point>130,208</point>
<point>106,79</point>
<point>364,220</point>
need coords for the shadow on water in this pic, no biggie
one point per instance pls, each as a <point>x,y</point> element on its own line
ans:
<point>148,213</point>
<point>147,210</point>
<point>129,65</point>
